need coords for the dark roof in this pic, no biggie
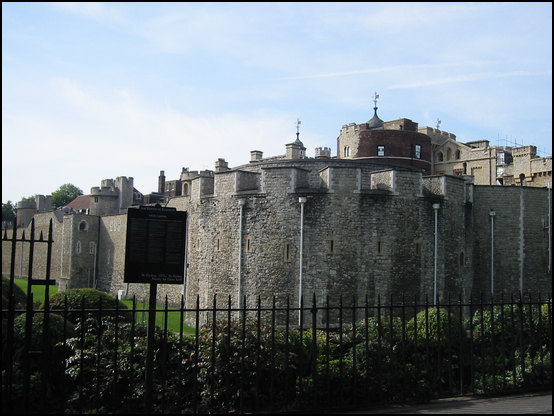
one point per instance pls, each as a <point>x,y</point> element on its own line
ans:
<point>80,203</point>
<point>375,121</point>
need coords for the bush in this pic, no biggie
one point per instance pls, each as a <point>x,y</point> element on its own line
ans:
<point>44,364</point>
<point>437,325</point>
<point>77,299</point>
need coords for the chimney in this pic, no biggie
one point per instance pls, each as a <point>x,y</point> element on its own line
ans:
<point>221,165</point>
<point>161,182</point>
<point>255,155</point>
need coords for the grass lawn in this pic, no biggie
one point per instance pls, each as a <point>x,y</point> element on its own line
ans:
<point>173,317</point>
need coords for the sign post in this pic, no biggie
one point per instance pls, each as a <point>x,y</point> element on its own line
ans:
<point>154,253</point>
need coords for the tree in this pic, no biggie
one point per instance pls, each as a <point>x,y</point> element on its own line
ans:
<point>8,214</point>
<point>65,194</point>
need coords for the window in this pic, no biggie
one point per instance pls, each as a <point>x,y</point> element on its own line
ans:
<point>458,154</point>
<point>346,151</point>
<point>185,189</point>
<point>249,240</point>
<point>91,247</point>
<point>78,248</point>
<point>448,154</point>
<point>418,151</point>
<point>461,259</point>
<point>331,245</point>
<point>218,244</point>
<point>287,252</point>
<point>83,226</point>
<point>380,150</point>
<point>417,247</point>
<point>380,247</point>
<point>440,156</point>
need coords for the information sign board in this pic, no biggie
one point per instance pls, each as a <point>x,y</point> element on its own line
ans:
<point>155,245</point>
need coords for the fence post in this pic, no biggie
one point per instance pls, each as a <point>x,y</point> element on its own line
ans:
<point>149,370</point>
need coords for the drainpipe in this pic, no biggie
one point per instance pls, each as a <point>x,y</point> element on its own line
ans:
<point>492,214</point>
<point>239,294</point>
<point>302,201</point>
<point>436,208</point>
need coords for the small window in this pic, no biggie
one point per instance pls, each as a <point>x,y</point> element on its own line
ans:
<point>380,150</point>
<point>346,151</point>
<point>218,244</point>
<point>440,156</point>
<point>91,247</point>
<point>417,247</point>
<point>83,226</point>
<point>380,247</point>
<point>78,248</point>
<point>249,240</point>
<point>287,252</point>
<point>461,259</point>
<point>458,155</point>
<point>331,245</point>
<point>418,151</point>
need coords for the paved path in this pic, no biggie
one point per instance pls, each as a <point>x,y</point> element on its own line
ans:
<point>531,403</point>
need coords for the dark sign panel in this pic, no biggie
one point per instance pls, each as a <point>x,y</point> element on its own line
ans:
<point>155,249</point>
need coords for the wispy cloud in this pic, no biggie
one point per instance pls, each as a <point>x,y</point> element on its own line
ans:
<point>469,78</point>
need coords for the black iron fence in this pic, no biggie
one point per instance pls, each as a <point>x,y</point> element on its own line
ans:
<point>81,360</point>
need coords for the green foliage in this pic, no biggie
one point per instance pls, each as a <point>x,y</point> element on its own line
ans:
<point>79,299</point>
<point>8,213</point>
<point>44,364</point>
<point>65,194</point>
<point>107,369</point>
<point>435,325</point>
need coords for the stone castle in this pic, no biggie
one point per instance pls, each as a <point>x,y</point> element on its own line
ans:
<point>399,210</point>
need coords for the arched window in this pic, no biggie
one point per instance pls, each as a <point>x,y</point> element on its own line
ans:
<point>440,156</point>
<point>185,189</point>
<point>458,154</point>
<point>521,178</point>
<point>83,226</point>
<point>346,151</point>
<point>448,154</point>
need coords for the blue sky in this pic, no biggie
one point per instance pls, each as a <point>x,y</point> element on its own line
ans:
<point>92,91</point>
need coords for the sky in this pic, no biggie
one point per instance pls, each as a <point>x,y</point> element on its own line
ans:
<point>94,91</point>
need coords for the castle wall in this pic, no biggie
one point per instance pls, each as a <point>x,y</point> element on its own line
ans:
<point>521,240</point>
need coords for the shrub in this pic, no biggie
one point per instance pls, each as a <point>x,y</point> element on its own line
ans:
<point>436,325</point>
<point>89,299</point>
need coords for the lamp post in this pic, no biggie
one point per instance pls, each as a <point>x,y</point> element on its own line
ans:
<point>436,208</point>
<point>302,201</point>
<point>492,214</point>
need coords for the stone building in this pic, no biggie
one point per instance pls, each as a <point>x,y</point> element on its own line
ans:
<point>360,223</point>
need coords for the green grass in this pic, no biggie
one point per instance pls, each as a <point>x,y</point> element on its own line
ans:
<point>39,291</point>
<point>173,318</point>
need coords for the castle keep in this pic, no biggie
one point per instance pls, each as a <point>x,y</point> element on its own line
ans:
<point>361,223</point>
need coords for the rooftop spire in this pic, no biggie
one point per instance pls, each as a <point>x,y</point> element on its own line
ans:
<point>375,122</point>
<point>298,129</point>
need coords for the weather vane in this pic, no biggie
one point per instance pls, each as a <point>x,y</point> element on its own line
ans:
<point>376,96</point>
<point>298,127</point>
<point>438,123</point>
